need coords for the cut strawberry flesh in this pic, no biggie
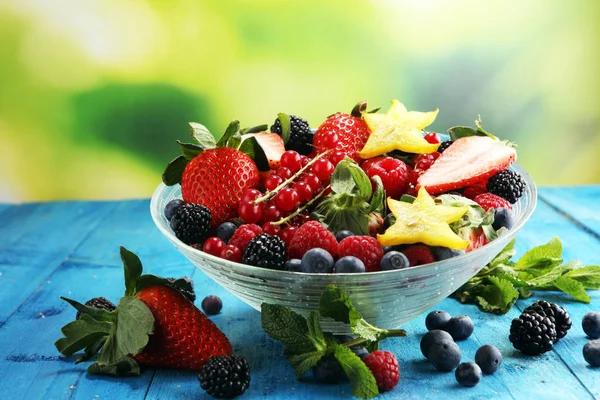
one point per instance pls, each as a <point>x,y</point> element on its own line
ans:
<point>466,161</point>
<point>273,146</point>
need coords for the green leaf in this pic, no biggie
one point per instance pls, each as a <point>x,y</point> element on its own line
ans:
<point>202,136</point>
<point>126,367</point>
<point>341,179</point>
<point>235,141</point>
<point>232,128</point>
<point>343,211</point>
<point>479,126</point>
<point>315,333</point>
<point>360,376</point>
<point>407,198</point>
<point>97,313</point>
<point>368,331</point>
<point>496,295</point>
<point>288,327</point>
<point>132,267</point>
<point>506,254</point>
<point>378,200</point>
<point>286,126</point>
<point>588,276</point>
<point>254,129</point>
<point>542,257</point>
<point>545,279</point>
<point>252,148</point>
<point>573,288</point>
<point>571,265</point>
<point>305,361</point>
<point>190,150</point>
<point>372,346</point>
<point>81,333</point>
<point>336,304</point>
<point>92,350</point>
<point>457,132</point>
<point>174,171</point>
<point>361,179</point>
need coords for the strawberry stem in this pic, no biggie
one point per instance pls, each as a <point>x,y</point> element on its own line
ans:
<point>359,109</point>
<point>300,209</point>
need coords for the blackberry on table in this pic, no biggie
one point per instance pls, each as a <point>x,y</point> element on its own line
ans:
<point>191,223</point>
<point>444,145</point>
<point>532,334</point>
<point>187,292</point>
<point>507,184</point>
<point>301,138</point>
<point>557,314</point>
<point>225,376</point>
<point>265,251</point>
<point>98,302</point>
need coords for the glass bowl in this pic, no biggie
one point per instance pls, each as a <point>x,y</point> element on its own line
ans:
<point>387,299</point>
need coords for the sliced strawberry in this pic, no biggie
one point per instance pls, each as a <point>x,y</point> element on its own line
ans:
<point>469,160</point>
<point>478,240</point>
<point>273,147</point>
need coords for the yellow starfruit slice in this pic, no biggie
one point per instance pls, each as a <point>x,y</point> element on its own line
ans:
<point>423,221</point>
<point>398,129</point>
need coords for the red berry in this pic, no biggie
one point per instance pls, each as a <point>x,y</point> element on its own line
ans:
<point>310,235</point>
<point>385,369</point>
<point>312,181</point>
<point>250,212</point>
<point>418,255</point>
<point>393,173</point>
<point>284,172</point>
<point>271,213</point>
<point>243,235</point>
<point>411,190</point>
<point>213,245</point>
<point>425,161</point>
<point>231,253</point>
<point>271,229</point>
<point>489,201</point>
<point>304,191</point>
<point>304,160</point>
<point>473,191</point>
<point>414,175</point>
<point>287,234</point>
<point>336,157</point>
<point>287,199</point>
<point>432,137</point>
<point>323,168</point>
<point>291,160</point>
<point>250,195</point>
<point>273,181</point>
<point>366,248</point>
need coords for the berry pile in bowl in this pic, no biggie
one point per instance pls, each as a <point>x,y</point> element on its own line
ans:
<point>396,216</point>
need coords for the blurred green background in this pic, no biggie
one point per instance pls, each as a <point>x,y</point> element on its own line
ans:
<point>93,94</point>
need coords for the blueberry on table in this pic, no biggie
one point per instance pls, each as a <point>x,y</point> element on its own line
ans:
<point>443,253</point>
<point>341,235</point>
<point>488,358</point>
<point>591,324</point>
<point>432,337</point>
<point>212,305</point>
<point>503,218</point>
<point>437,319</point>
<point>394,260</point>
<point>460,327</point>
<point>327,370</point>
<point>444,355</point>
<point>468,374</point>
<point>317,260</point>
<point>226,230</point>
<point>349,265</point>
<point>591,353</point>
<point>292,265</point>
<point>172,207</point>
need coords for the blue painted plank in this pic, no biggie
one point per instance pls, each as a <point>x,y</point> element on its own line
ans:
<point>580,203</point>
<point>5,207</point>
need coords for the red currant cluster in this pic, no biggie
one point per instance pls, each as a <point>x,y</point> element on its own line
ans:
<point>421,163</point>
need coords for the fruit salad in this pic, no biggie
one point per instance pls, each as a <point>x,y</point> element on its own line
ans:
<point>366,191</point>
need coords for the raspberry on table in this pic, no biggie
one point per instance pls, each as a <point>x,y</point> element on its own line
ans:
<point>385,369</point>
<point>243,235</point>
<point>366,248</point>
<point>488,201</point>
<point>310,235</point>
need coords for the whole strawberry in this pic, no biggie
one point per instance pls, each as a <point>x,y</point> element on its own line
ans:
<point>343,133</point>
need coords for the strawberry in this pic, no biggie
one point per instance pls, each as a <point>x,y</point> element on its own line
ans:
<point>217,178</point>
<point>469,160</point>
<point>478,240</point>
<point>342,132</point>
<point>273,147</point>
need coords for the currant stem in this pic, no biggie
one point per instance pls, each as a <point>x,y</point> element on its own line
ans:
<point>273,192</point>
<point>300,209</point>
<point>390,333</point>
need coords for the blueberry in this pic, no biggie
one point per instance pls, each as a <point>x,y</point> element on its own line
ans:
<point>468,374</point>
<point>212,305</point>
<point>360,351</point>
<point>172,207</point>
<point>292,265</point>
<point>591,353</point>
<point>460,327</point>
<point>591,324</point>
<point>327,370</point>
<point>387,249</point>
<point>226,230</point>
<point>437,320</point>
<point>343,235</point>
<point>317,260</point>
<point>444,355</point>
<point>349,265</point>
<point>503,218</point>
<point>394,260</point>
<point>432,337</point>
<point>488,358</point>
<point>444,253</point>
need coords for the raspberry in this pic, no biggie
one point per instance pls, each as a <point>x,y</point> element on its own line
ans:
<point>393,174</point>
<point>473,191</point>
<point>489,200</point>
<point>310,235</point>
<point>418,255</point>
<point>243,235</point>
<point>385,369</point>
<point>366,248</point>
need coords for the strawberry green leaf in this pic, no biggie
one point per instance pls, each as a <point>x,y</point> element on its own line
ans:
<point>152,280</point>
<point>288,327</point>
<point>407,199</point>
<point>234,141</point>
<point>96,313</point>
<point>253,149</point>
<point>378,201</point>
<point>360,376</point>
<point>342,181</point>
<point>286,126</point>
<point>190,150</point>
<point>588,276</point>
<point>126,367</point>
<point>254,129</point>
<point>457,132</point>
<point>232,129</point>
<point>573,288</point>
<point>82,333</point>
<point>479,126</point>
<point>305,361</point>
<point>92,350</point>
<point>361,179</point>
<point>132,267</point>
<point>202,136</point>
<point>172,174</point>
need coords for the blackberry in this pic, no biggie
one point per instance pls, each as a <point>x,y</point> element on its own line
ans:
<point>225,376</point>
<point>444,145</point>
<point>265,251</point>
<point>98,302</point>
<point>187,290</point>
<point>191,223</point>
<point>532,334</point>
<point>507,184</point>
<point>558,315</point>
<point>301,137</point>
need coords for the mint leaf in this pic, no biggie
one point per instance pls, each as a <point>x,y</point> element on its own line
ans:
<point>336,304</point>
<point>315,333</point>
<point>288,327</point>
<point>360,376</point>
<point>496,295</point>
<point>174,171</point>
<point>574,264</point>
<point>305,361</point>
<point>132,267</point>
<point>232,128</point>
<point>506,254</point>
<point>368,331</point>
<point>81,333</point>
<point>588,276</point>
<point>541,257</point>
<point>202,136</point>
<point>126,367</point>
<point>190,150</point>
<point>91,350</point>
<point>286,126</point>
<point>573,288</point>
<point>545,279</point>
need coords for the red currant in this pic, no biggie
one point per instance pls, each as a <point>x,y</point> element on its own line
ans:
<point>304,160</point>
<point>250,212</point>
<point>272,182</point>
<point>432,137</point>
<point>250,195</point>
<point>304,191</point>
<point>287,199</point>
<point>436,155</point>
<point>291,160</point>
<point>271,213</point>
<point>312,181</point>
<point>213,245</point>
<point>414,176</point>
<point>287,234</point>
<point>331,139</point>
<point>231,253</point>
<point>270,229</point>
<point>336,157</point>
<point>322,168</point>
<point>424,161</point>
<point>284,172</point>
<point>412,190</point>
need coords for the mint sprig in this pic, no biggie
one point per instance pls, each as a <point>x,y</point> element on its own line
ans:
<point>497,287</point>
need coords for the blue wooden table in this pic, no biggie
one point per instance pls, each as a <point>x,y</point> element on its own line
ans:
<point>71,248</point>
